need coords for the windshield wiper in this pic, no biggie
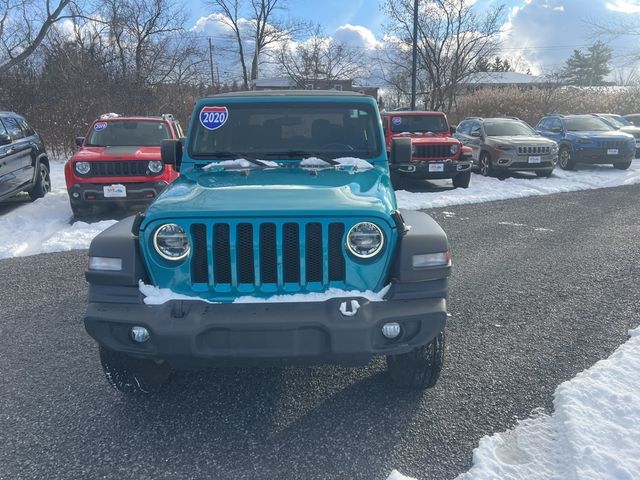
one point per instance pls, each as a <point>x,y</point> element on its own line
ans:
<point>234,156</point>
<point>306,154</point>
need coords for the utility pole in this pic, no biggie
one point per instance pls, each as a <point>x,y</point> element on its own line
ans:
<point>213,84</point>
<point>414,55</point>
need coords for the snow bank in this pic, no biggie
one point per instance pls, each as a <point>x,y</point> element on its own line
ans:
<point>486,189</point>
<point>157,296</point>
<point>44,225</point>
<point>593,434</point>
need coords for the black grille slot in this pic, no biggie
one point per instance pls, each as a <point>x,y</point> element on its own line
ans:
<point>130,168</point>
<point>539,150</point>
<point>336,255</point>
<point>268,253</point>
<point>313,256</point>
<point>611,144</point>
<point>199,264</point>
<point>221,253</point>
<point>244,253</point>
<point>291,252</point>
<point>433,151</point>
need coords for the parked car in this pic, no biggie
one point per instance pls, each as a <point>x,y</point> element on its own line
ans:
<point>633,119</point>
<point>621,123</point>
<point>436,153</point>
<point>24,164</point>
<point>118,163</point>
<point>281,241</point>
<point>587,139</point>
<point>502,145</point>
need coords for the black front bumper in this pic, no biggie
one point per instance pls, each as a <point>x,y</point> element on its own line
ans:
<point>191,334</point>
<point>599,155</point>
<point>428,169</point>
<point>88,194</point>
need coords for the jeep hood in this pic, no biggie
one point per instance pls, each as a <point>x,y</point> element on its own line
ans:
<point>87,154</point>
<point>276,192</point>
<point>438,138</point>
<point>521,140</point>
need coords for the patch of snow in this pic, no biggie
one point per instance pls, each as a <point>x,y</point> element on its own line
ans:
<point>44,225</point>
<point>357,163</point>
<point>396,475</point>
<point>512,224</point>
<point>593,433</point>
<point>157,296</point>
<point>487,189</point>
<point>541,229</point>
<point>238,163</point>
<point>344,310</point>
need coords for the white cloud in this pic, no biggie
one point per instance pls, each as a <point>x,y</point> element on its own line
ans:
<point>624,6</point>
<point>356,36</point>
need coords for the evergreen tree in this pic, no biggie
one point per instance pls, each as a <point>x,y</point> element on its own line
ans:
<point>588,69</point>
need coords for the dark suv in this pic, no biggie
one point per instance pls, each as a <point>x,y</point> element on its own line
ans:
<point>24,165</point>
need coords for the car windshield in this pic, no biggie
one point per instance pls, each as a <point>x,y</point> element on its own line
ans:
<point>586,124</point>
<point>282,130</point>
<point>507,129</point>
<point>128,133</point>
<point>617,120</point>
<point>418,123</point>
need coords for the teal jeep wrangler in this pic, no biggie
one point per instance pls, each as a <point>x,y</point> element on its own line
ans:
<point>280,242</point>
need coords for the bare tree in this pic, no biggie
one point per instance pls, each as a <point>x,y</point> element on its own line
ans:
<point>23,26</point>
<point>452,37</point>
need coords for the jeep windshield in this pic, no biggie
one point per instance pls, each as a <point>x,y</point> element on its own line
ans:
<point>127,133</point>
<point>617,121</point>
<point>418,123</point>
<point>508,129</point>
<point>586,124</point>
<point>285,131</point>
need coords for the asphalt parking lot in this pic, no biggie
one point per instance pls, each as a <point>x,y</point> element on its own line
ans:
<point>542,288</point>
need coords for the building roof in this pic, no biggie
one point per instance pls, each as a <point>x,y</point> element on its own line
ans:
<point>278,82</point>
<point>502,78</point>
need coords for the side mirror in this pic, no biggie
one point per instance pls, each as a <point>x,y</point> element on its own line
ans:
<point>400,151</point>
<point>476,133</point>
<point>556,129</point>
<point>171,153</point>
<point>452,129</point>
<point>79,141</point>
<point>5,139</point>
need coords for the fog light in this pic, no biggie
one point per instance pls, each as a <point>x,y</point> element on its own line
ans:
<point>104,263</point>
<point>391,330</point>
<point>139,334</point>
<point>76,195</point>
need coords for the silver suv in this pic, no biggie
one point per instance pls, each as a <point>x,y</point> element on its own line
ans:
<point>503,145</point>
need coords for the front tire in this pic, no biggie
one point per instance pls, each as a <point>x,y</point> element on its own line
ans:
<point>484,164</point>
<point>130,375</point>
<point>43,183</point>
<point>462,180</point>
<point>419,368</point>
<point>622,165</point>
<point>565,159</point>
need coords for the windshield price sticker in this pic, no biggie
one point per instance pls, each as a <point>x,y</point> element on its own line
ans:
<point>396,120</point>
<point>99,126</point>
<point>213,118</point>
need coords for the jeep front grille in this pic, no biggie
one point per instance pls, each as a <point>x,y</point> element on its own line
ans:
<point>248,255</point>
<point>432,151</point>
<point>537,150</point>
<point>611,144</point>
<point>125,168</point>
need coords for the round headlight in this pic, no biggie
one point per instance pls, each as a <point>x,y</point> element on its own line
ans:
<point>83,167</point>
<point>171,242</point>
<point>454,149</point>
<point>365,240</point>
<point>155,166</point>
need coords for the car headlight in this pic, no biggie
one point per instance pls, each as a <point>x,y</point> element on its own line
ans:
<point>583,141</point>
<point>155,166</point>
<point>365,240</point>
<point>83,167</point>
<point>171,242</point>
<point>554,148</point>
<point>454,149</point>
<point>505,147</point>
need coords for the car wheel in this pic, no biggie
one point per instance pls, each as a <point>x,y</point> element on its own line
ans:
<point>462,180</point>
<point>622,165</point>
<point>419,368</point>
<point>484,165</point>
<point>43,183</point>
<point>132,375</point>
<point>565,160</point>
<point>544,173</point>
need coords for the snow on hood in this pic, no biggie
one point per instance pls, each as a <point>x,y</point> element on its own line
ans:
<point>157,296</point>
<point>238,163</point>
<point>357,163</point>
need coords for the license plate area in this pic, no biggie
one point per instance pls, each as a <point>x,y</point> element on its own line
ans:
<point>612,151</point>
<point>114,191</point>
<point>436,167</point>
<point>535,159</point>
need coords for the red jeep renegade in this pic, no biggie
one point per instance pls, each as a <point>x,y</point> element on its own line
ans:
<point>436,154</point>
<point>118,163</point>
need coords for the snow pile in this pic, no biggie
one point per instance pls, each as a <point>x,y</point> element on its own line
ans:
<point>157,296</point>
<point>238,163</point>
<point>396,475</point>
<point>593,434</point>
<point>487,189</point>
<point>43,226</point>
<point>357,163</point>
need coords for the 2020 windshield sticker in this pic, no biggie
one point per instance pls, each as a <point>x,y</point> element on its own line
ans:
<point>213,118</point>
<point>99,126</point>
<point>396,120</point>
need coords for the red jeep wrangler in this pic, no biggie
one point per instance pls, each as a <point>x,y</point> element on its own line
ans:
<point>118,163</point>
<point>436,153</point>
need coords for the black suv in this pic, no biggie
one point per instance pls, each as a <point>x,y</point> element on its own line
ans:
<point>24,165</point>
